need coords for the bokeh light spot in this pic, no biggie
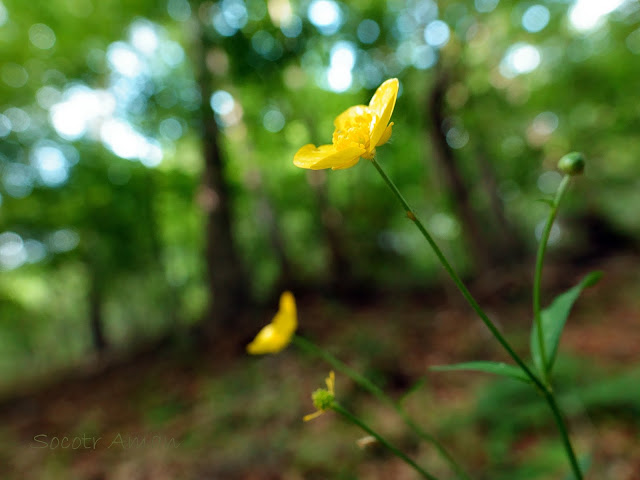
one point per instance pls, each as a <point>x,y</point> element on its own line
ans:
<point>548,182</point>
<point>222,102</point>
<point>486,6</point>
<point>520,58</point>
<point>4,15</point>
<point>63,240</point>
<point>17,179</point>
<point>266,45</point>
<point>124,60</point>
<point>339,79</point>
<point>35,251</point>
<point>368,31</point>
<point>273,120</point>
<point>81,108</point>
<point>235,13</point>
<point>535,18</point>
<point>51,165</point>
<point>48,96</point>
<point>437,33</point>
<point>292,26</point>
<point>554,234</point>
<point>588,14</point>
<point>14,75</point>
<point>444,226</point>
<point>423,57</point>
<point>170,128</point>
<point>179,10</point>
<point>325,15</point>
<point>5,126</point>
<point>41,36</point>
<point>144,37</point>
<point>20,120</point>
<point>457,137</point>
<point>343,55</point>
<point>12,252</point>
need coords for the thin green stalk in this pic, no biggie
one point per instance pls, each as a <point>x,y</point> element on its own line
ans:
<point>543,386</point>
<point>366,384</point>
<point>537,281</point>
<point>542,247</point>
<point>336,407</point>
<point>564,433</point>
<point>454,276</point>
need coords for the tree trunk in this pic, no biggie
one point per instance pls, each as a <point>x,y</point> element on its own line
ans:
<point>95,312</point>
<point>228,287</point>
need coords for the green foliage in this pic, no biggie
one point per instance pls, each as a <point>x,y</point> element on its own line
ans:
<point>138,229</point>
<point>553,319</point>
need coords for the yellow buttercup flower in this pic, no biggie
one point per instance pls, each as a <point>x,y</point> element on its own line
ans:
<point>323,399</point>
<point>277,335</point>
<point>359,130</point>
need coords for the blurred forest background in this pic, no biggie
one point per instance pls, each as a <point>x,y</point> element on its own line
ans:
<point>147,186</point>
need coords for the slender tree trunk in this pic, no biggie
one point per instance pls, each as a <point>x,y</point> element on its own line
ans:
<point>453,179</point>
<point>228,286</point>
<point>96,322</point>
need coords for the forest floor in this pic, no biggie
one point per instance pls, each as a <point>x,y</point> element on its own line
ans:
<point>218,414</point>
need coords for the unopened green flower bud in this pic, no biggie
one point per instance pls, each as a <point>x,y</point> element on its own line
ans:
<point>322,399</point>
<point>572,163</point>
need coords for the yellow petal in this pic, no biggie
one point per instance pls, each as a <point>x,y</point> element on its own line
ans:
<point>268,340</point>
<point>311,416</point>
<point>331,382</point>
<point>350,114</point>
<point>326,156</point>
<point>386,135</point>
<point>286,320</point>
<point>382,104</point>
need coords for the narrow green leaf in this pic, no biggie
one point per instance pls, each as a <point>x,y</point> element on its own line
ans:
<point>496,368</point>
<point>553,319</point>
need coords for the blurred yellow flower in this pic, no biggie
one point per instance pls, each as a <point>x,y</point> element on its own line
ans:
<point>323,399</point>
<point>359,130</point>
<point>277,335</point>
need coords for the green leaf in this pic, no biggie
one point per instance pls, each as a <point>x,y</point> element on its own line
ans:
<point>553,319</point>
<point>497,368</point>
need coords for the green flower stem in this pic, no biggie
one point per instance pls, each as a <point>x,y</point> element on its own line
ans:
<point>336,407</point>
<point>542,247</point>
<point>454,276</point>
<point>564,433</point>
<point>366,384</point>
<point>548,393</point>
<point>543,386</point>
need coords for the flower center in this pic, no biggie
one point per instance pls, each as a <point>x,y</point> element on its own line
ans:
<point>354,132</point>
